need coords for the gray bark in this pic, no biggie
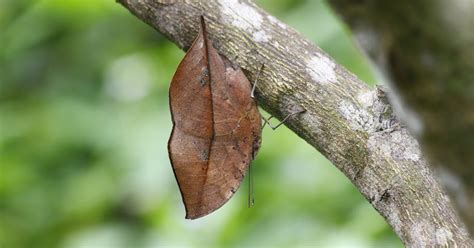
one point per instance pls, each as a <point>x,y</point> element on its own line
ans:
<point>347,121</point>
<point>426,49</point>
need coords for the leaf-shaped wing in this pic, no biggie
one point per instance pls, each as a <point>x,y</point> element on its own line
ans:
<point>216,128</point>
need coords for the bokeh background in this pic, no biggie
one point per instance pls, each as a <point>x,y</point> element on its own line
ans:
<point>84,123</point>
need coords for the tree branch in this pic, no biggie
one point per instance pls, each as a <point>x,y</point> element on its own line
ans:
<point>426,49</point>
<point>349,123</point>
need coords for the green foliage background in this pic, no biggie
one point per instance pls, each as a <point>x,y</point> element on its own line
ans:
<point>84,123</point>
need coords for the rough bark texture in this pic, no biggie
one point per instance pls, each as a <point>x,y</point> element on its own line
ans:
<point>348,122</point>
<point>426,49</point>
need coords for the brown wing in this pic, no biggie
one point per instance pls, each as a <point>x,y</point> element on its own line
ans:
<point>216,128</point>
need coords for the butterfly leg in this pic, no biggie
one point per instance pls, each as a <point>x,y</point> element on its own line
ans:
<point>251,194</point>
<point>267,121</point>
<point>252,94</point>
